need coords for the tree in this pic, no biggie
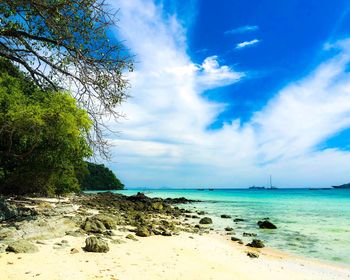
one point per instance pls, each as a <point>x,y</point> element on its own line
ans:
<point>62,44</point>
<point>42,137</point>
<point>99,177</point>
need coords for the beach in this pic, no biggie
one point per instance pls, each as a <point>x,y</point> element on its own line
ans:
<point>158,257</point>
<point>175,249</point>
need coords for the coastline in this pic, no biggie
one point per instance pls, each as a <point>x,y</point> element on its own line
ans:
<point>187,254</point>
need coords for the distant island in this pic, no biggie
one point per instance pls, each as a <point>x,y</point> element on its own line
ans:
<point>344,186</point>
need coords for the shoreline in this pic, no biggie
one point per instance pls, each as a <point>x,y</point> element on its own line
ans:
<point>190,253</point>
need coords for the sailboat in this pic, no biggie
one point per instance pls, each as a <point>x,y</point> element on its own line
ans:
<point>271,186</point>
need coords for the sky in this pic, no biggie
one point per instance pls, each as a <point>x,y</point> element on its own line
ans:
<point>226,93</point>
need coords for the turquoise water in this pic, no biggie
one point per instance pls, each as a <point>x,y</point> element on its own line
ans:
<point>310,223</point>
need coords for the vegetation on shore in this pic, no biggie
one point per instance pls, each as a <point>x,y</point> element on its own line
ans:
<point>99,177</point>
<point>59,76</point>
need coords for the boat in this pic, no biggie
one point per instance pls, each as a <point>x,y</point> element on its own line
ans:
<point>271,186</point>
<point>257,188</point>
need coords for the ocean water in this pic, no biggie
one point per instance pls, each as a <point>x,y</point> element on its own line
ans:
<point>311,223</point>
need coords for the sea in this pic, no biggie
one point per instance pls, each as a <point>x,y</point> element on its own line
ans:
<point>311,223</point>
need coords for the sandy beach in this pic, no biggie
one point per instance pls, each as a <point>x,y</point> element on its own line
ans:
<point>173,246</point>
<point>185,256</point>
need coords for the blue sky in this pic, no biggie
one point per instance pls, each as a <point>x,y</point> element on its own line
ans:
<point>226,93</point>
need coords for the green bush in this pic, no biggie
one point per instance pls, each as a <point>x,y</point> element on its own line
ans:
<point>42,137</point>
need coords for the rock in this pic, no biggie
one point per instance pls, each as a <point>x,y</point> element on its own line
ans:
<point>131,236</point>
<point>3,248</point>
<point>157,206</point>
<point>22,246</point>
<point>143,232</point>
<point>249,234</point>
<point>99,223</point>
<point>74,251</point>
<point>7,211</point>
<point>179,200</point>
<point>166,233</point>
<point>266,224</point>
<point>201,213</point>
<point>252,255</point>
<point>108,221</point>
<point>256,243</point>
<point>205,221</point>
<point>238,220</point>
<point>93,226</point>
<point>95,244</point>
<point>224,216</point>
<point>235,239</point>
<point>228,229</point>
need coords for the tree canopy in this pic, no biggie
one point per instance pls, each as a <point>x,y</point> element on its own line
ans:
<point>99,177</point>
<point>62,44</point>
<point>42,137</point>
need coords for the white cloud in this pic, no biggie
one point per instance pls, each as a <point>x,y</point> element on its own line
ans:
<point>165,140</point>
<point>247,44</point>
<point>243,29</point>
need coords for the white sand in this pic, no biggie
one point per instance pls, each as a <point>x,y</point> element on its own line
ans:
<point>158,257</point>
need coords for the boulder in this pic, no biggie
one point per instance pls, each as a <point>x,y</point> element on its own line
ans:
<point>266,224</point>
<point>95,244</point>
<point>256,243</point>
<point>143,232</point>
<point>228,229</point>
<point>108,221</point>
<point>7,211</point>
<point>131,236</point>
<point>224,216</point>
<point>205,221</point>
<point>235,239</point>
<point>93,226</point>
<point>22,246</point>
<point>238,220</point>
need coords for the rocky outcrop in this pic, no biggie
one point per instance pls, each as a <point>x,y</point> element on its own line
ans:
<point>256,243</point>
<point>205,221</point>
<point>22,246</point>
<point>238,220</point>
<point>266,224</point>
<point>96,245</point>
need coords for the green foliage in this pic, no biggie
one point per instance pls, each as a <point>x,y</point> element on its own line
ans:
<point>68,40</point>
<point>42,137</point>
<point>99,177</point>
